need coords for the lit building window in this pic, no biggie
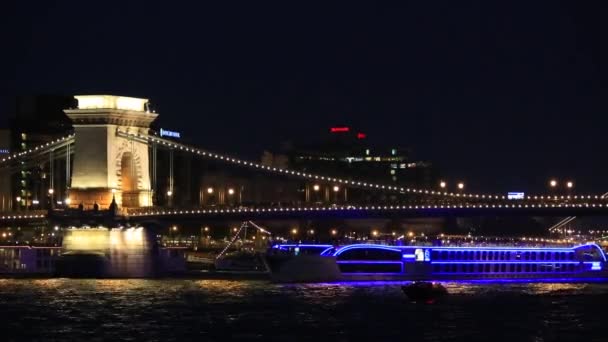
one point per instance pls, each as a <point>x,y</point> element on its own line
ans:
<point>392,172</point>
<point>367,152</point>
<point>23,136</point>
<point>393,151</point>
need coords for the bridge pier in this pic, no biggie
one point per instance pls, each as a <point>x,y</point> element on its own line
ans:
<point>104,160</point>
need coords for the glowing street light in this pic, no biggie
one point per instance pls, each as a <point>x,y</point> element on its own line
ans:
<point>174,228</point>
<point>209,190</point>
<point>311,232</point>
<point>374,232</point>
<point>336,188</point>
<point>553,183</point>
<point>230,191</point>
<point>18,199</point>
<point>460,185</point>
<point>169,193</point>
<point>443,184</point>
<point>206,229</point>
<point>67,201</point>
<point>316,187</point>
<point>334,232</point>
<point>51,191</point>
<point>294,231</point>
<point>570,184</point>
<point>410,234</point>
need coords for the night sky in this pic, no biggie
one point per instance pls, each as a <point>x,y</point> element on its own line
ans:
<point>500,96</point>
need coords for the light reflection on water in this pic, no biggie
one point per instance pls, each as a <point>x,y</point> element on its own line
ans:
<point>180,309</point>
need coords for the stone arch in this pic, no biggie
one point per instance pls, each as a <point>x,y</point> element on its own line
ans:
<point>129,176</point>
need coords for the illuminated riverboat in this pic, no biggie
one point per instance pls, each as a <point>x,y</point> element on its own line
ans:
<point>381,262</point>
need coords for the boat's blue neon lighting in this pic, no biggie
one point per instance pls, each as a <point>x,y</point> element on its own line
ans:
<point>502,262</point>
<point>301,245</point>
<point>367,246</point>
<point>368,262</point>
<point>370,274</point>
<point>596,266</point>
<point>482,248</point>
<point>325,251</point>
<point>409,256</point>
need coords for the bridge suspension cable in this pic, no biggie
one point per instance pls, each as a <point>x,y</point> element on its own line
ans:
<point>39,150</point>
<point>350,182</point>
<point>308,176</point>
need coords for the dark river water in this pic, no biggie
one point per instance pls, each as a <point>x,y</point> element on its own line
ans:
<point>220,310</point>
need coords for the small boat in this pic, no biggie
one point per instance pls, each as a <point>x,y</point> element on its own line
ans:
<point>424,291</point>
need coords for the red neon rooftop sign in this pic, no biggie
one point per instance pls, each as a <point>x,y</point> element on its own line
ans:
<point>339,129</point>
<point>361,136</point>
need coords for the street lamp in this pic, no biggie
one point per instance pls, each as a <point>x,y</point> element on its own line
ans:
<point>569,184</point>
<point>51,191</point>
<point>169,193</point>
<point>230,191</point>
<point>460,185</point>
<point>443,184</point>
<point>374,233</point>
<point>316,187</point>
<point>294,231</point>
<point>210,190</point>
<point>334,232</point>
<point>553,183</point>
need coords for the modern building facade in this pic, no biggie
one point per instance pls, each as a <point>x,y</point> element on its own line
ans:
<point>34,121</point>
<point>345,152</point>
<point>6,198</point>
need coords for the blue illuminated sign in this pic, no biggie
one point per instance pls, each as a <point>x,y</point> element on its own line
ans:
<point>4,151</point>
<point>515,195</point>
<point>165,133</point>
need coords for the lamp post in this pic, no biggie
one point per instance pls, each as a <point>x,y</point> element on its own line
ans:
<point>170,198</point>
<point>52,204</point>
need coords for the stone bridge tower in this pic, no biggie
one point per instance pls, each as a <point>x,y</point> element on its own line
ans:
<point>105,163</point>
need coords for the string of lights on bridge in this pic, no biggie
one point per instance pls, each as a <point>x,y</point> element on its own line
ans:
<point>362,184</point>
<point>360,208</point>
<point>38,148</point>
<point>308,176</point>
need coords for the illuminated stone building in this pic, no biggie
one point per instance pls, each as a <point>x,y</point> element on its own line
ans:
<point>107,164</point>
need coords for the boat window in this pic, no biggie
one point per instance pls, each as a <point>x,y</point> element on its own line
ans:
<point>534,267</point>
<point>451,255</point>
<point>484,255</point>
<point>533,255</point>
<point>495,267</point>
<point>487,267</point>
<point>477,255</point>
<point>541,255</point>
<point>527,256</point>
<point>490,255</point>
<point>571,267</point>
<point>435,255</point>
<point>435,268</point>
<point>503,268</point>
<point>370,254</point>
<point>444,255</point>
<point>459,255</point>
<point>571,255</point>
<point>508,257</point>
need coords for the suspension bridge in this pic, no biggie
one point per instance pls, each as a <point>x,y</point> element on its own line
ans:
<point>112,159</point>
